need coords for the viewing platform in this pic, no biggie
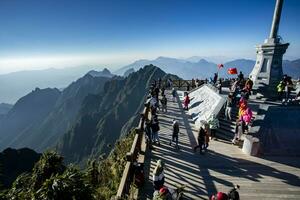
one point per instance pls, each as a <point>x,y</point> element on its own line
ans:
<point>220,168</point>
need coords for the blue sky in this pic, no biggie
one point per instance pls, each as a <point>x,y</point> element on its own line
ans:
<point>62,33</point>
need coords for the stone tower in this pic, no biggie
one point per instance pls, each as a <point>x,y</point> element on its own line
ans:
<point>267,71</point>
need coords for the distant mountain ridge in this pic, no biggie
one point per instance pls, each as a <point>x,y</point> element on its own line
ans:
<point>27,126</point>
<point>17,84</point>
<point>107,116</point>
<point>81,120</point>
<point>104,73</point>
<point>28,112</point>
<point>195,67</point>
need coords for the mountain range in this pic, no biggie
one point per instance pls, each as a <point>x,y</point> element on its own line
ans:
<point>80,120</point>
<point>194,68</point>
<point>17,84</point>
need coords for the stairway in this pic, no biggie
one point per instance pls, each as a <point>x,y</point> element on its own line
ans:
<point>226,130</point>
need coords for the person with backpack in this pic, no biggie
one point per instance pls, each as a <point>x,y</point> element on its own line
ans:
<point>186,101</point>
<point>175,133</point>
<point>164,102</point>
<point>155,128</point>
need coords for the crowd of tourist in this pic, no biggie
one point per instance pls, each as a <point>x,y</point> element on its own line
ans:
<point>238,96</point>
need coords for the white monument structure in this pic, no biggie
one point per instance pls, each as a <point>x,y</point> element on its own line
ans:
<point>267,71</point>
<point>205,102</point>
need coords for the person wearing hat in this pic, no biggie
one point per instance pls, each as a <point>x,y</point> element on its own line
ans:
<point>220,196</point>
<point>158,175</point>
<point>165,193</point>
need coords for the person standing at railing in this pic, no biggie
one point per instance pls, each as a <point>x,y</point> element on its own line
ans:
<point>155,128</point>
<point>148,132</point>
<point>158,175</point>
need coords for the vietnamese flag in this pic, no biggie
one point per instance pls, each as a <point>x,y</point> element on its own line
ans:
<point>232,71</point>
<point>220,66</point>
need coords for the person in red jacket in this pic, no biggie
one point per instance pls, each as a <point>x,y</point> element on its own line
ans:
<point>186,101</point>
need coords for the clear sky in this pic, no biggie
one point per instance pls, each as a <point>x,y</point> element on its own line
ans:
<point>61,33</point>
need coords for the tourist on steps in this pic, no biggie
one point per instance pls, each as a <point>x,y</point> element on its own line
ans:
<point>155,129</point>
<point>186,101</point>
<point>175,133</point>
<point>213,125</point>
<point>201,139</point>
<point>229,104</point>
<point>164,102</point>
<point>174,94</point>
<point>158,177</point>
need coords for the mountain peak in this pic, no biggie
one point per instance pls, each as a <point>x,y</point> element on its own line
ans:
<point>202,60</point>
<point>104,73</point>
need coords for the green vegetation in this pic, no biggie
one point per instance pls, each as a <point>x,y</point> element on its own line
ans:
<point>52,180</point>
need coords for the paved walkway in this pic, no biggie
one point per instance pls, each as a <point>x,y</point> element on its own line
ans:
<point>223,166</point>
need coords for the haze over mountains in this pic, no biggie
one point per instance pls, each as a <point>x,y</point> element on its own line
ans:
<point>194,68</point>
<point>80,120</point>
<point>15,85</point>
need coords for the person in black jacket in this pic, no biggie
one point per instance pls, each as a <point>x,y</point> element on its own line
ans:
<point>201,140</point>
<point>175,133</point>
<point>155,129</point>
